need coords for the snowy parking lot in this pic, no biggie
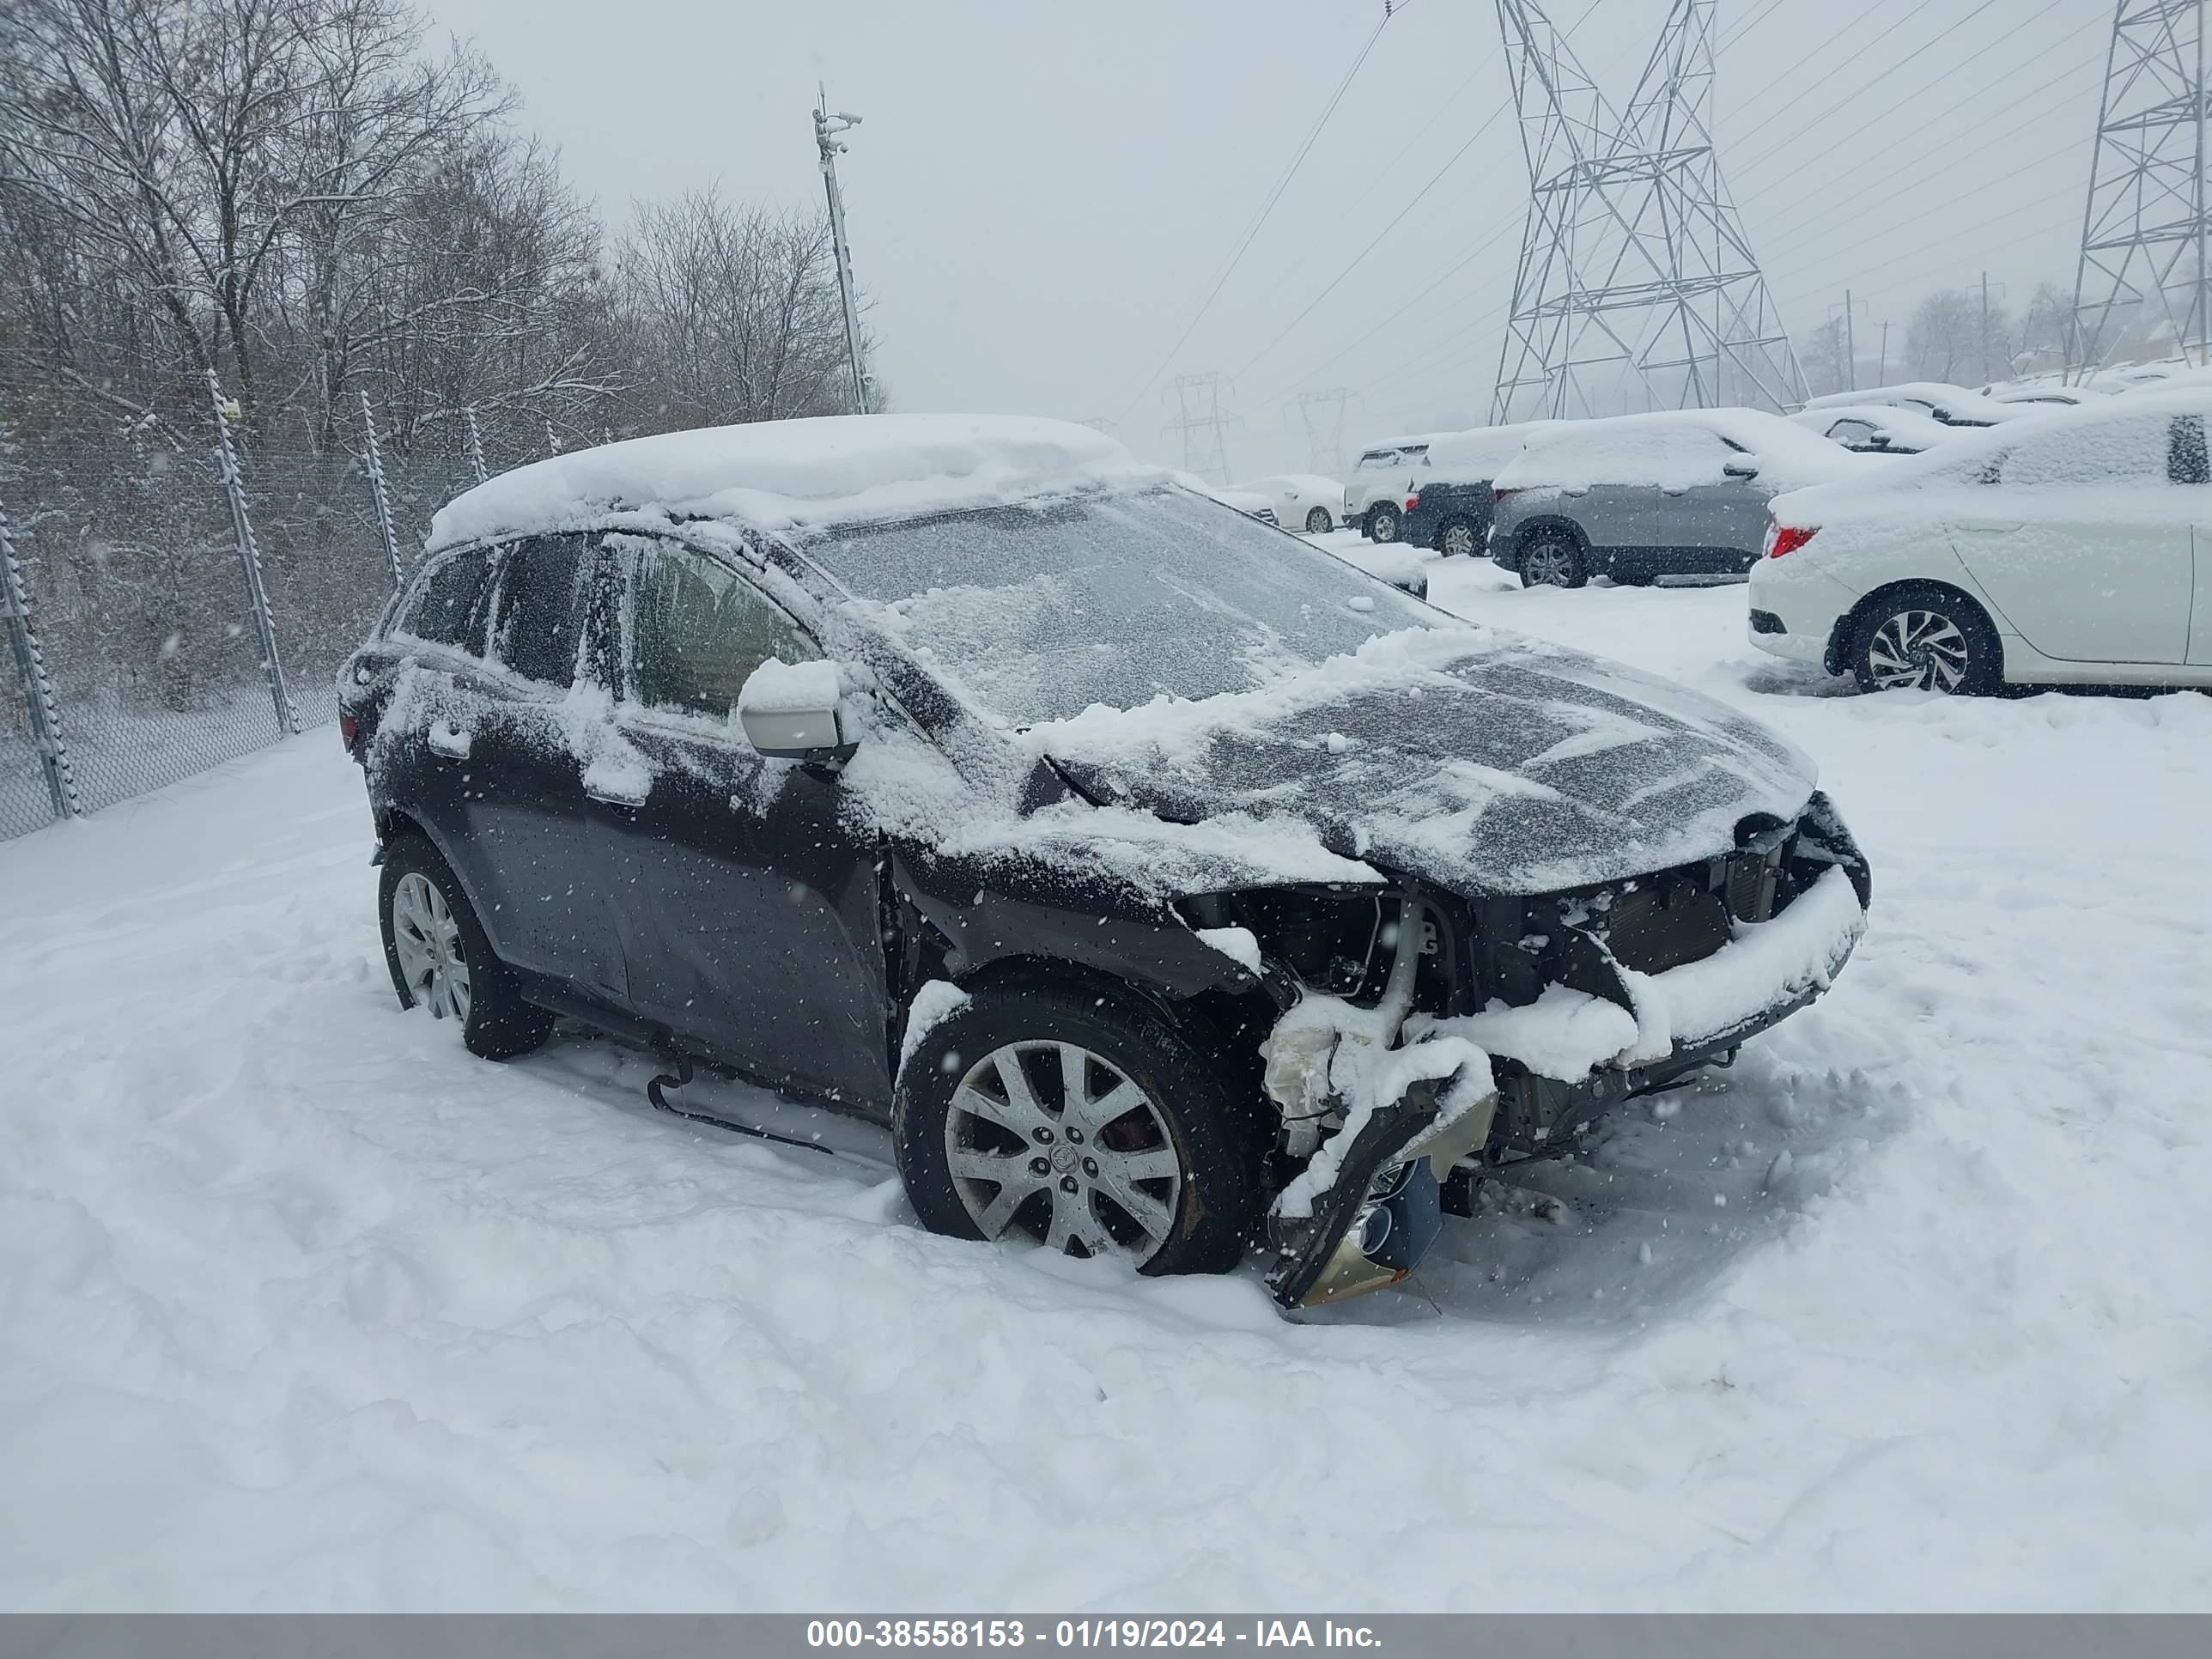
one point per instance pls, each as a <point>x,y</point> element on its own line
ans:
<point>300,1306</point>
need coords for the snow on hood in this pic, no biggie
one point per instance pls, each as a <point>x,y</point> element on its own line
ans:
<point>1674,449</point>
<point>1471,758</point>
<point>775,474</point>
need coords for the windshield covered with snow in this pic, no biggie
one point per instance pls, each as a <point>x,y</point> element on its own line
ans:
<point>1041,610</point>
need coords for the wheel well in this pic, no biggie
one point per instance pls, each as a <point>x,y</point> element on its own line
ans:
<point>392,823</point>
<point>1843,640</point>
<point>1228,1027</point>
<point>1533,528</point>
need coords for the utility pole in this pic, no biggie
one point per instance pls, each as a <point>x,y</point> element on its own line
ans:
<point>1851,342</point>
<point>1850,345</point>
<point>1881,372</point>
<point>826,129</point>
<point>1637,284</point>
<point>2147,216</point>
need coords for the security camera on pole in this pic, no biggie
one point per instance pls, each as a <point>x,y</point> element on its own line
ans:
<point>826,129</point>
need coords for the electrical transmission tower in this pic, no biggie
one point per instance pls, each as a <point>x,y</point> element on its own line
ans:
<point>1204,426</point>
<point>1637,287</point>
<point>2143,233</point>
<point>1322,415</point>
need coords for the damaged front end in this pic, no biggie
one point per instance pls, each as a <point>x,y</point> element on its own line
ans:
<point>1433,1037</point>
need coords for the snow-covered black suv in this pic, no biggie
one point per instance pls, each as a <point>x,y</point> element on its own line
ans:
<point>1168,887</point>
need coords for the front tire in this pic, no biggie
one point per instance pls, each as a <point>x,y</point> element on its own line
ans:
<point>1092,1125</point>
<point>1553,558</point>
<point>1318,523</point>
<point>440,959</point>
<point>1926,638</point>
<point>1383,523</point>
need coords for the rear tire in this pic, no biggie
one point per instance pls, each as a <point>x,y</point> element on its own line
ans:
<point>1923,637</point>
<point>440,959</point>
<point>1200,1218</point>
<point>1553,558</point>
<point>1455,538</point>
<point>1383,523</point>
<point>1318,522</point>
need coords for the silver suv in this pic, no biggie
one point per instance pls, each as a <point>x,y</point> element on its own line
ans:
<point>1682,492</point>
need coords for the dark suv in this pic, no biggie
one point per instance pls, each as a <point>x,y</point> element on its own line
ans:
<point>1166,885</point>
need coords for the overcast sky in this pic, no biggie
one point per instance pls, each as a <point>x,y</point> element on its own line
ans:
<point>1043,190</point>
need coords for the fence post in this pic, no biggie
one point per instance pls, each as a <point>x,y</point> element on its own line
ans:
<point>383,501</point>
<point>476,444</point>
<point>38,689</point>
<point>288,717</point>
<point>552,438</point>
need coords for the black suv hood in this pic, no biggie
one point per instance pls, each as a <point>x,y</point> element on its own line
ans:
<point>1473,759</point>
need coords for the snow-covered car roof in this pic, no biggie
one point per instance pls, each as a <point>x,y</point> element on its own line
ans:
<point>1647,449</point>
<point>1310,484</point>
<point>1907,428</point>
<point>1939,394</point>
<point>832,470</point>
<point>1481,451</point>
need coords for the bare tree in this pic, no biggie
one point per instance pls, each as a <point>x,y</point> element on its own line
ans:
<point>729,314</point>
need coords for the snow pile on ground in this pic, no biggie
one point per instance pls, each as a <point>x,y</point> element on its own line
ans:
<point>830,470</point>
<point>301,1307</point>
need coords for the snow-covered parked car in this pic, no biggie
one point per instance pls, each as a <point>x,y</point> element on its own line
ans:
<point>1450,510</point>
<point>1385,475</point>
<point>2073,548</point>
<point>1249,502</point>
<point>1878,429</point>
<point>1163,883</point>
<point>1953,405</point>
<point>1635,497</point>
<point>1300,501</point>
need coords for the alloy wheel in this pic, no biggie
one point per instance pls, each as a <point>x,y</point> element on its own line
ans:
<point>429,941</point>
<point>1318,523</point>
<point>1548,561</point>
<point>1922,650</point>
<point>1053,1141</point>
<point>1459,540</point>
<point>1386,526</point>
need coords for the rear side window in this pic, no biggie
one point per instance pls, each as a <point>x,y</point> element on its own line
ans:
<point>697,629</point>
<point>447,604</point>
<point>2186,460</point>
<point>1376,459</point>
<point>541,608</point>
<point>2130,449</point>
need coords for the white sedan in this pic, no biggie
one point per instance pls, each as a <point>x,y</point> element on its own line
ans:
<point>2071,548</point>
<point>1302,501</point>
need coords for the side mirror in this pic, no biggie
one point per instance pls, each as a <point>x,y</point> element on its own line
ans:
<point>1740,469</point>
<point>792,711</point>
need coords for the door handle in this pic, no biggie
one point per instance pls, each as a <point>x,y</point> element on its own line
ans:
<point>614,795</point>
<point>1988,529</point>
<point>1674,489</point>
<point>448,739</point>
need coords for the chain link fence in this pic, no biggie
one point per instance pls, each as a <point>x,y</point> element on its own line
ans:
<point>136,633</point>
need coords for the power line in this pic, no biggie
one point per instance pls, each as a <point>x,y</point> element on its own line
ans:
<point>1745,137</point>
<point>1260,219</point>
<point>1948,158</point>
<point>1359,258</point>
<point>1747,26</point>
<point>1781,82</point>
